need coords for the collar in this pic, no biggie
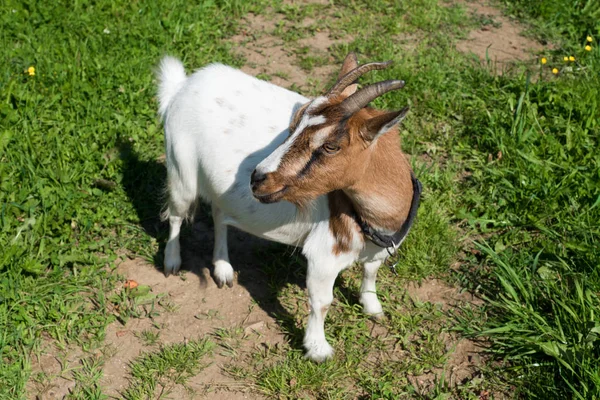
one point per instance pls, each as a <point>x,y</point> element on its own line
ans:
<point>395,240</point>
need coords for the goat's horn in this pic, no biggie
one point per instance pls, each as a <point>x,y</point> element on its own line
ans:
<point>360,99</point>
<point>353,75</point>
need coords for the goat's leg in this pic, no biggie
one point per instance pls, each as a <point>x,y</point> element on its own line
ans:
<point>319,281</point>
<point>172,261</point>
<point>223,270</point>
<point>180,204</point>
<point>368,292</point>
<point>173,250</point>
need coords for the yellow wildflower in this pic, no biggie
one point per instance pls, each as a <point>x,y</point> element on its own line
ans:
<point>555,71</point>
<point>588,48</point>
<point>589,39</point>
<point>31,71</point>
<point>566,58</point>
<point>571,58</point>
<point>544,60</point>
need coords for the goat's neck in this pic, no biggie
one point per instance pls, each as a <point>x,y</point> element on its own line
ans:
<point>382,195</point>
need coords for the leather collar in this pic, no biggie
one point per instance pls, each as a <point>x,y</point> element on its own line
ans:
<point>395,240</point>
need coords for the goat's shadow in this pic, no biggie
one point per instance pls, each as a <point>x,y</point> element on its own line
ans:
<point>264,268</point>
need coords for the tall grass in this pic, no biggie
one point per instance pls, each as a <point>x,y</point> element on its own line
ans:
<point>534,153</point>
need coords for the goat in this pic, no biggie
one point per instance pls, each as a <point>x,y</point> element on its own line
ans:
<point>327,175</point>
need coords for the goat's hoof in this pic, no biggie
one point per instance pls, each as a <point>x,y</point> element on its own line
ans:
<point>318,351</point>
<point>223,274</point>
<point>371,305</point>
<point>172,265</point>
<point>376,317</point>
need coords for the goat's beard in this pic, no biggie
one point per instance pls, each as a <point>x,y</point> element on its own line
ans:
<point>305,203</point>
<point>305,207</point>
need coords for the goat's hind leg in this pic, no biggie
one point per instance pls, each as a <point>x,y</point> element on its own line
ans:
<point>223,273</point>
<point>172,261</point>
<point>181,203</point>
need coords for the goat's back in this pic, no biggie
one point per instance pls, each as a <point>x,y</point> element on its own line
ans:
<point>219,124</point>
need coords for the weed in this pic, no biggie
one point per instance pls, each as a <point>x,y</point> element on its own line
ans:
<point>150,338</point>
<point>87,379</point>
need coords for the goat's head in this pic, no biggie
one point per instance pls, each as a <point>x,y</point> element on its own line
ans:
<point>330,140</point>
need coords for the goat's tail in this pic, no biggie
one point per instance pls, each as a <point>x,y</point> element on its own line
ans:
<point>171,76</point>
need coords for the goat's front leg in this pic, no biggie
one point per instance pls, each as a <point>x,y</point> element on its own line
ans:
<point>223,270</point>
<point>319,281</point>
<point>368,291</point>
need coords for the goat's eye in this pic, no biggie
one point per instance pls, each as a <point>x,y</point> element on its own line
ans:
<point>331,148</point>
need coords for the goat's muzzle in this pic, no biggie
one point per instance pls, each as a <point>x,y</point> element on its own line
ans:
<point>263,190</point>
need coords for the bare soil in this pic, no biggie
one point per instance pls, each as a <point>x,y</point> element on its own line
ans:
<point>267,53</point>
<point>499,39</point>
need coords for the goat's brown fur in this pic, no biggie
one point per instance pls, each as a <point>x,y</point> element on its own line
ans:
<point>341,221</point>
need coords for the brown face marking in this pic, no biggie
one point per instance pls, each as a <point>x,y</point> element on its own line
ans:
<point>309,168</point>
<point>342,225</point>
<point>366,162</point>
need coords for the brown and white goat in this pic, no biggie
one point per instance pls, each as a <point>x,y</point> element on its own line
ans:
<point>327,175</point>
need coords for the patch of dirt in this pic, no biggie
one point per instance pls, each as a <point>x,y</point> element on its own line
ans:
<point>51,365</point>
<point>465,357</point>
<point>437,291</point>
<point>499,37</point>
<point>267,53</point>
<point>200,308</point>
<point>462,366</point>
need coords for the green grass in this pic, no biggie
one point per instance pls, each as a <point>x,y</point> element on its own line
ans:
<point>87,378</point>
<point>78,144</point>
<point>511,208</point>
<point>155,375</point>
<point>567,22</point>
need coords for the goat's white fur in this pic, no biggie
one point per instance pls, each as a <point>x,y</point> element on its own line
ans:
<point>271,163</point>
<point>219,125</point>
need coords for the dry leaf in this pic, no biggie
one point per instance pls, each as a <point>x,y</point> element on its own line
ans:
<point>130,284</point>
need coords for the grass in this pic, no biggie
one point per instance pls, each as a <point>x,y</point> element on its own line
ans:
<point>157,374</point>
<point>85,117</point>
<point>510,210</point>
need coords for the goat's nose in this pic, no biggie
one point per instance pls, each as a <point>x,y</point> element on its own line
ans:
<point>257,177</point>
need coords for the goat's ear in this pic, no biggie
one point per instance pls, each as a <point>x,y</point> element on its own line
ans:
<point>350,63</point>
<point>377,126</point>
<point>297,116</point>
